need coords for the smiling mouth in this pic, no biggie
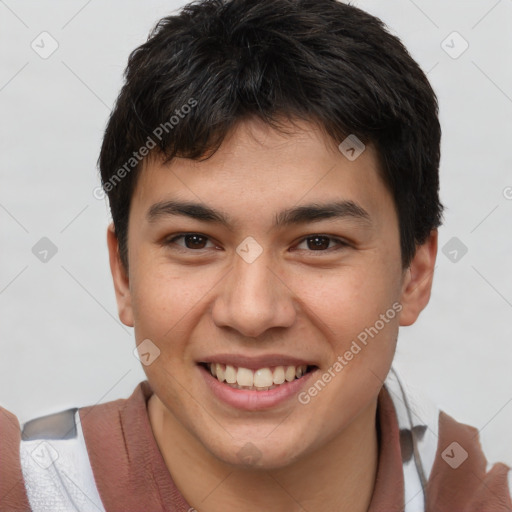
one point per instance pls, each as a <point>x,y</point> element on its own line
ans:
<point>262,379</point>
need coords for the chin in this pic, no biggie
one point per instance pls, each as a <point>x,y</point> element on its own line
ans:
<point>258,454</point>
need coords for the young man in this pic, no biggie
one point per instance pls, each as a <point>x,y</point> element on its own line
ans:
<point>272,172</point>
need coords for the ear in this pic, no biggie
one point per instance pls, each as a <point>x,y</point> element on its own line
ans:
<point>417,283</point>
<point>120,278</point>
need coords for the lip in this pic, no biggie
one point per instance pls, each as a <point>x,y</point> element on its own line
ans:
<point>255,363</point>
<point>252,400</point>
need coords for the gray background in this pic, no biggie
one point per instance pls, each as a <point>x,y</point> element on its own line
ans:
<point>61,344</point>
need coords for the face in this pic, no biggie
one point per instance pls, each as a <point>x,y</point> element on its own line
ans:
<point>289,263</point>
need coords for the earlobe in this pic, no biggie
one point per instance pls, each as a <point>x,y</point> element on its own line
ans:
<point>120,279</point>
<point>418,279</point>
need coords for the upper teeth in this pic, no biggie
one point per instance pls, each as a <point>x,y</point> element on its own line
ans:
<point>261,378</point>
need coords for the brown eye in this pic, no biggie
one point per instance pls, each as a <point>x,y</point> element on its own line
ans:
<point>195,241</point>
<point>318,242</point>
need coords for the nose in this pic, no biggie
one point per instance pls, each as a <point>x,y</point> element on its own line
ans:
<point>253,298</point>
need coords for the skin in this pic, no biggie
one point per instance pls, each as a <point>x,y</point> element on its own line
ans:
<point>293,299</point>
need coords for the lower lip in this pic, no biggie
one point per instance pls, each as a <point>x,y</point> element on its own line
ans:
<point>251,400</point>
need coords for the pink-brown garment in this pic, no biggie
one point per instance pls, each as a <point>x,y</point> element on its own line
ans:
<point>388,492</point>
<point>467,488</point>
<point>13,497</point>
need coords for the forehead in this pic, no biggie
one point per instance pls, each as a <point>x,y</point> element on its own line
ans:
<point>258,170</point>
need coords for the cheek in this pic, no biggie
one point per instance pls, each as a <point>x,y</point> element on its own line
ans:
<point>166,298</point>
<point>163,306</point>
<point>356,310</point>
<point>350,299</point>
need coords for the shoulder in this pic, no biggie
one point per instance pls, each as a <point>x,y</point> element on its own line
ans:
<point>443,460</point>
<point>55,464</point>
<point>44,462</point>
<point>13,497</point>
<point>61,455</point>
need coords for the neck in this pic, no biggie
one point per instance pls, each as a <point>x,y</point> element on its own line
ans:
<point>340,475</point>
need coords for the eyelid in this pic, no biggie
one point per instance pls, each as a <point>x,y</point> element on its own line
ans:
<point>340,241</point>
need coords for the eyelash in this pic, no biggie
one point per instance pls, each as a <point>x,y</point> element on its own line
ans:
<point>340,242</point>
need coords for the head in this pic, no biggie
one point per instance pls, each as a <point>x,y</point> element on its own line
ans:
<point>233,126</point>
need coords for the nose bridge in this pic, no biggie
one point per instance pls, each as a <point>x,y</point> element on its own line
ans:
<point>253,298</point>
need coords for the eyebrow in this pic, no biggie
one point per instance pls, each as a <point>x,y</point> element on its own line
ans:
<point>314,212</point>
